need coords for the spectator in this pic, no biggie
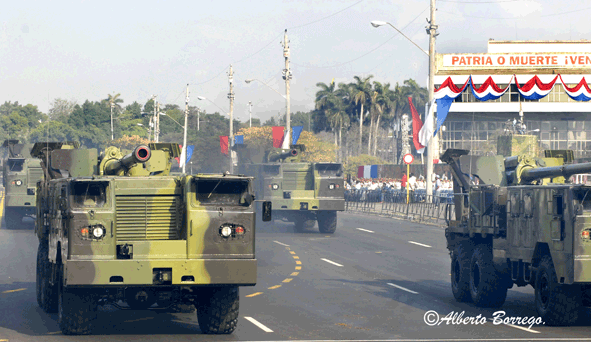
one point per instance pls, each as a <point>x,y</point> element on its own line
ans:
<point>412,181</point>
<point>403,181</point>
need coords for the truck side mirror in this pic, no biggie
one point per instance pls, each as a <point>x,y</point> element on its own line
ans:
<point>267,209</point>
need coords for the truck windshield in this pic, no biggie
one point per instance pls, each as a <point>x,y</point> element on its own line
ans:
<point>16,164</point>
<point>89,194</point>
<point>582,196</point>
<point>222,192</point>
<point>329,169</point>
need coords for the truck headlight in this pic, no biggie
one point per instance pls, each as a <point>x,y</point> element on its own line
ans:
<point>98,232</point>
<point>225,231</point>
<point>331,186</point>
<point>18,182</point>
<point>275,186</point>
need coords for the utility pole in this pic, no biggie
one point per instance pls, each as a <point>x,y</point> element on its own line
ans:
<point>185,128</point>
<point>432,149</point>
<point>286,77</point>
<point>250,113</point>
<point>198,119</point>
<point>231,137</point>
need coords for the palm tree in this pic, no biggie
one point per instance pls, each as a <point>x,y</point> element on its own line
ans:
<point>114,102</point>
<point>362,89</point>
<point>382,106</point>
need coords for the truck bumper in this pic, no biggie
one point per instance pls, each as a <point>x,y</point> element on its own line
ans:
<point>582,268</point>
<point>309,204</point>
<point>241,272</point>
<point>20,200</point>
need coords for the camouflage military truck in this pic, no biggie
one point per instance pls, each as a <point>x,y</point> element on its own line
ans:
<point>301,192</point>
<point>19,178</point>
<point>523,224</point>
<point>123,230</point>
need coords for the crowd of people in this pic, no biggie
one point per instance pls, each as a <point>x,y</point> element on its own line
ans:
<point>413,182</point>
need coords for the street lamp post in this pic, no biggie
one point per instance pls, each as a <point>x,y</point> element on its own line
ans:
<point>433,144</point>
<point>184,133</point>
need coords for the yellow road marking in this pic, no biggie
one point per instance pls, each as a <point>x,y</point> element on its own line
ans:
<point>298,262</point>
<point>378,252</point>
<point>1,207</point>
<point>295,257</point>
<point>298,267</point>
<point>139,319</point>
<point>274,287</point>
<point>291,252</point>
<point>294,274</point>
<point>254,294</point>
<point>9,291</point>
<point>286,280</point>
<point>327,236</point>
<point>52,333</point>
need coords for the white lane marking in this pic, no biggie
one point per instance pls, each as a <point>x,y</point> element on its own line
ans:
<point>365,230</point>
<point>403,288</point>
<point>258,324</point>
<point>331,262</point>
<point>522,328</point>
<point>419,244</point>
<point>282,244</point>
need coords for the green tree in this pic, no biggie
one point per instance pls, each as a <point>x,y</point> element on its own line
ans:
<point>361,95</point>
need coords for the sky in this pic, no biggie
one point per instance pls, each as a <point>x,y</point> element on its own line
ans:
<point>79,50</point>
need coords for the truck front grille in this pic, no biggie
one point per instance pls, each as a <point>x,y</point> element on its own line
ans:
<point>35,174</point>
<point>298,180</point>
<point>148,218</point>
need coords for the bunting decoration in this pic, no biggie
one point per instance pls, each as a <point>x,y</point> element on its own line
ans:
<point>580,92</point>
<point>489,89</point>
<point>534,89</point>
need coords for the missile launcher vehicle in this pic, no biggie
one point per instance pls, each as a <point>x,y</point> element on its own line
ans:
<point>518,222</point>
<point>118,229</point>
<point>300,192</point>
<point>20,174</point>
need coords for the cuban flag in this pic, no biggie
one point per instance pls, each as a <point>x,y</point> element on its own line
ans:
<point>580,92</point>
<point>489,90</point>
<point>367,171</point>
<point>535,89</point>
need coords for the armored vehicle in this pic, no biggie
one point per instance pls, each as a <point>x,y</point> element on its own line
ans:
<point>522,224</point>
<point>19,178</point>
<point>301,192</point>
<point>117,228</point>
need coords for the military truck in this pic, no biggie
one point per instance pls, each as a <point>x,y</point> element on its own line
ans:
<point>19,178</point>
<point>300,192</point>
<point>118,229</point>
<point>523,224</point>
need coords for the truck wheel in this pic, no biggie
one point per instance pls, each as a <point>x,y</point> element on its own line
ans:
<point>46,292</point>
<point>487,287</point>
<point>327,221</point>
<point>76,310</point>
<point>460,271</point>
<point>13,218</point>
<point>304,223</point>
<point>217,310</point>
<point>556,304</point>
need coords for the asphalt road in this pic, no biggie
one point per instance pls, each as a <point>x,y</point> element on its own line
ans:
<point>374,279</point>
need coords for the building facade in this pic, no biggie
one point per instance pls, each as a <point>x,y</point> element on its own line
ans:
<point>560,121</point>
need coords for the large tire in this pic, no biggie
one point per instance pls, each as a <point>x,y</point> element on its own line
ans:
<point>556,304</point>
<point>46,292</point>
<point>327,221</point>
<point>303,223</point>
<point>217,310</point>
<point>13,218</point>
<point>76,310</point>
<point>460,271</point>
<point>487,286</point>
